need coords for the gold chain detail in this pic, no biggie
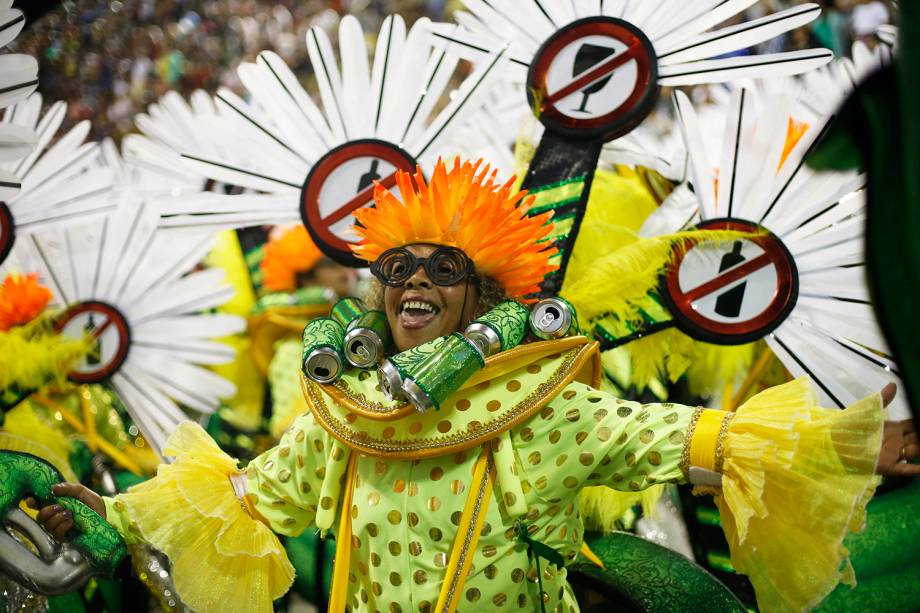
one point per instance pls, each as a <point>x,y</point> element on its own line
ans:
<point>720,444</point>
<point>359,399</point>
<point>685,452</point>
<point>413,449</point>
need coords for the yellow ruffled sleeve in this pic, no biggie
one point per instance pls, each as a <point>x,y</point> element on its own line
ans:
<point>191,512</point>
<point>795,479</point>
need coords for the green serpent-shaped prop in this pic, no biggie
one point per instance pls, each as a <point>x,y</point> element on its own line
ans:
<point>23,475</point>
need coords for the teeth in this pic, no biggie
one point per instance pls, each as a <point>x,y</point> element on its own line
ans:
<point>418,304</point>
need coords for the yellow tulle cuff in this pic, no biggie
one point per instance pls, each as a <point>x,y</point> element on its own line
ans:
<point>796,479</point>
<point>222,558</point>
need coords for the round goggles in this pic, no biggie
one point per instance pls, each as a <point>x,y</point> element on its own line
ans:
<point>445,266</point>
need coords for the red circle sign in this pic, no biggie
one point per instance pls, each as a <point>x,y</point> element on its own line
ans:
<point>341,182</point>
<point>596,77</point>
<point>111,336</point>
<point>732,292</point>
<point>7,231</point>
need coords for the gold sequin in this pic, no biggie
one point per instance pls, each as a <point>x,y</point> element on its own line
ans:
<point>373,499</point>
<point>420,577</point>
<point>522,601</point>
<point>570,482</point>
<point>375,587</point>
<point>284,475</point>
<point>561,458</point>
<point>473,426</point>
<point>375,561</point>
<point>541,483</point>
<point>643,416</point>
<point>300,461</point>
<point>435,534</point>
<point>676,437</point>
<point>473,594</point>
<point>499,599</point>
<point>510,498</point>
<point>326,502</point>
<point>444,426</point>
<point>440,559</point>
<point>526,434</point>
<point>490,571</point>
<point>586,458</point>
<point>398,486</point>
<point>534,458</point>
<point>630,458</point>
<point>415,548</point>
<point>463,404</point>
<point>354,511</point>
<point>394,517</point>
<point>434,503</point>
<point>554,436</point>
<point>380,467</point>
<point>654,458</point>
<point>457,486</point>
<point>460,457</point>
<point>517,575</point>
<point>624,412</point>
<point>305,487</point>
<point>533,368</point>
<point>647,436</point>
<point>372,529</point>
<point>580,437</point>
<point>394,548</point>
<point>299,436</point>
<point>320,472</point>
<point>603,434</point>
<point>395,608</point>
<point>412,519</point>
<point>569,394</point>
<point>318,445</point>
<point>413,488</point>
<point>573,415</point>
<point>284,451</point>
<point>355,542</point>
<point>493,405</point>
<point>289,521</point>
<point>436,473</point>
<point>269,465</point>
<point>388,432</point>
<point>670,418</point>
<point>395,579</point>
<point>455,518</point>
<point>513,385</point>
<point>415,427</point>
<point>634,486</point>
<point>489,551</point>
<point>424,607</point>
<point>547,413</point>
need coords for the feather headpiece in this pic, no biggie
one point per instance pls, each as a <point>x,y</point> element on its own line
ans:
<point>291,253</point>
<point>464,208</point>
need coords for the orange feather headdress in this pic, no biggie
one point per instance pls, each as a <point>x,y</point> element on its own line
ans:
<point>464,208</point>
<point>291,253</point>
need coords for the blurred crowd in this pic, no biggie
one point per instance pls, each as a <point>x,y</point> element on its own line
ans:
<point>109,59</point>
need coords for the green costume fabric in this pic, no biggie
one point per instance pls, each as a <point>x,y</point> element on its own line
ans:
<point>405,512</point>
<point>284,379</point>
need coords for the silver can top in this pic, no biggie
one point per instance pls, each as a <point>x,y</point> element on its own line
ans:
<point>417,396</point>
<point>484,337</point>
<point>551,318</point>
<point>363,347</point>
<point>323,365</point>
<point>390,381</point>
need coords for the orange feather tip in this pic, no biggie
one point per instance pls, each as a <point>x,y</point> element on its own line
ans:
<point>22,299</point>
<point>287,255</point>
<point>463,207</point>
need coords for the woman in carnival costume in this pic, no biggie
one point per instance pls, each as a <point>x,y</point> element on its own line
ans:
<point>442,510</point>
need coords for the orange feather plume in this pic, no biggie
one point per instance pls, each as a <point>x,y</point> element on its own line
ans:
<point>464,208</point>
<point>291,253</point>
<point>22,299</point>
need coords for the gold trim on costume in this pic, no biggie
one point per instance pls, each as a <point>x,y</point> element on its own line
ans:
<point>573,361</point>
<point>468,531</point>
<point>339,592</point>
<point>685,452</point>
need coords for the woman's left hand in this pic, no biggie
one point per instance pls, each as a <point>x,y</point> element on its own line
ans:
<point>899,445</point>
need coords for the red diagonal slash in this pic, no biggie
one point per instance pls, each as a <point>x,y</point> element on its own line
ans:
<point>731,275</point>
<point>98,330</point>
<point>358,201</point>
<point>599,71</point>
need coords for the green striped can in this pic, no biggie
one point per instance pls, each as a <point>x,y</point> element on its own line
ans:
<point>392,370</point>
<point>347,311</point>
<point>323,359</point>
<point>432,381</point>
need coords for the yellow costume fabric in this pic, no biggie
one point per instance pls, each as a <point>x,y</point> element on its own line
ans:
<point>412,474</point>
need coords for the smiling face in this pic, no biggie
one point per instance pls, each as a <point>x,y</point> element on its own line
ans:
<point>419,311</point>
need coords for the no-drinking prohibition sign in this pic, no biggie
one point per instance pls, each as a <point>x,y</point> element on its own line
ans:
<point>732,292</point>
<point>341,182</point>
<point>111,336</point>
<point>596,77</point>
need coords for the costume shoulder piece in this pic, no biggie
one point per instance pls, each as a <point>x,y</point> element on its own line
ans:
<point>513,386</point>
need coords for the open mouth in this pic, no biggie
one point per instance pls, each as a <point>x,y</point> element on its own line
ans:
<point>415,313</point>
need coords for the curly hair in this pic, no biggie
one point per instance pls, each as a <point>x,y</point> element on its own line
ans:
<point>490,294</point>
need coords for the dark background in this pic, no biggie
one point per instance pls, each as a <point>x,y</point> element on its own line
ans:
<point>35,8</point>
